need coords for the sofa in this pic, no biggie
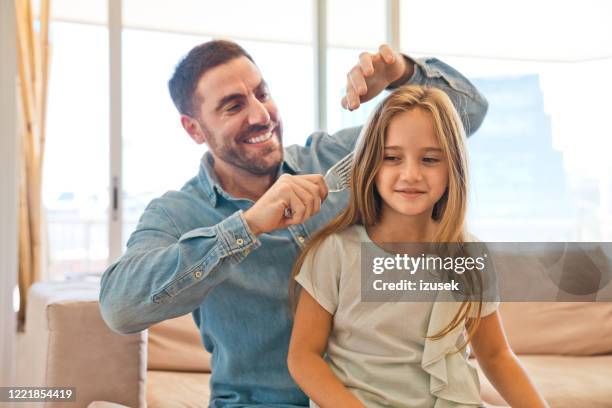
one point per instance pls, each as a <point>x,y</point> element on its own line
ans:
<point>66,343</point>
<point>566,347</point>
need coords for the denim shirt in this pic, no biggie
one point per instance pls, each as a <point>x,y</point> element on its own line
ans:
<point>193,252</point>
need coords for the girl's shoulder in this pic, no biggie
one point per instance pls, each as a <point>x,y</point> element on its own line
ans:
<point>352,236</point>
<point>346,240</point>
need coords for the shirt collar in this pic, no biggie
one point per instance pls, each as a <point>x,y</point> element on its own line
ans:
<point>210,181</point>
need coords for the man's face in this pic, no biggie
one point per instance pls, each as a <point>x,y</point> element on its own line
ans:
<point>238,118</point>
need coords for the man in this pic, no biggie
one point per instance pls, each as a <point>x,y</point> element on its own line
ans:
<point>221,248</point>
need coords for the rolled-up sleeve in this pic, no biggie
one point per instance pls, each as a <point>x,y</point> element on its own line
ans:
<point>163,274</point>
<point>471,105</point>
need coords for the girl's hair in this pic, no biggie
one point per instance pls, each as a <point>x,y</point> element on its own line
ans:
<point>364,205</point>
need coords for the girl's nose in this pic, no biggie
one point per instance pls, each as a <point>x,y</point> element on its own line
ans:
<point>411,171</point>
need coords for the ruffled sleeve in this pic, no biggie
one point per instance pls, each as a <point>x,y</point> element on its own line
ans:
<point>453,381</point>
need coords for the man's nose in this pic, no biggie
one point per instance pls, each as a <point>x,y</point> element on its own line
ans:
<point>258,112</point>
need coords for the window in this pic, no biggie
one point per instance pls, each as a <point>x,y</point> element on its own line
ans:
<point>353,27</point>
<point>540,168</point>
<point>75,194</point>
<point>158,155</point>
<point>539,164</point>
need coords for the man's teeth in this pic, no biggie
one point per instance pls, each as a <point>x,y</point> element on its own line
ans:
<point>259,139</point>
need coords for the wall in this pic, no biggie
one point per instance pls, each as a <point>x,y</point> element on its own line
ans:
<point>8,191</point>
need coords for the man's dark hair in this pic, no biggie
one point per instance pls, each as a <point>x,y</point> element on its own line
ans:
<point>190,69</point>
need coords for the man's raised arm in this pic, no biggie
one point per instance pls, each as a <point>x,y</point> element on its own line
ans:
<point>388,69</point>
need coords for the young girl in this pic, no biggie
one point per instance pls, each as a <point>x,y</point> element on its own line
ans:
<point>409,184</point>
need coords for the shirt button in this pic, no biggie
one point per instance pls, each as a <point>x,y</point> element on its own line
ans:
<point>301,239</point>
<point>198,274</point>
<point>240,241</point>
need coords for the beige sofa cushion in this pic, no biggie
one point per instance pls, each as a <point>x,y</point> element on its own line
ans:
<point>177,390</point>
<point>175,345</point>
<point>564,381</point>
<point>68,344</point>
<point>104,404</point>
<point>566,328</point>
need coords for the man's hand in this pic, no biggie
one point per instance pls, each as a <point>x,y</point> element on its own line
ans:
<point>303,194</point>
<point>373,74</point>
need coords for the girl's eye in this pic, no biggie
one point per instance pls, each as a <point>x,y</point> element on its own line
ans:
<point>430,160</point>
<point>391,158</point>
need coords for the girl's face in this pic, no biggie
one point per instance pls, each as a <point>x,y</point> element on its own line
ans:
<point>414,172</point>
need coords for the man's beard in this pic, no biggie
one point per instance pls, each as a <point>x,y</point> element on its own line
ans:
<point>236,156</point>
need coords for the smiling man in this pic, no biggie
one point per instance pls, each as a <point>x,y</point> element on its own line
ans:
<point>221,248</point>
<point>247,142</point>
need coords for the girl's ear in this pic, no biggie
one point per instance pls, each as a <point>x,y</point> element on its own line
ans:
<point>193,128</point>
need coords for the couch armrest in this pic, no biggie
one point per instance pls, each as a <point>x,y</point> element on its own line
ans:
<point>66,343</point>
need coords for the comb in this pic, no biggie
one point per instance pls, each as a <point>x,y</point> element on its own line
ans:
<point>337,178</point>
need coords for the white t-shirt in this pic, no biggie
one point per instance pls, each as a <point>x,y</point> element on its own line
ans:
<point>379,350</point>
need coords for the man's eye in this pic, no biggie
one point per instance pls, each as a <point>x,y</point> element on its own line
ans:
<point>234,108</point>
<point>264,96</point>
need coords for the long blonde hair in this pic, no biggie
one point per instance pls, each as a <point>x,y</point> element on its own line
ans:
<point>364,206</point>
